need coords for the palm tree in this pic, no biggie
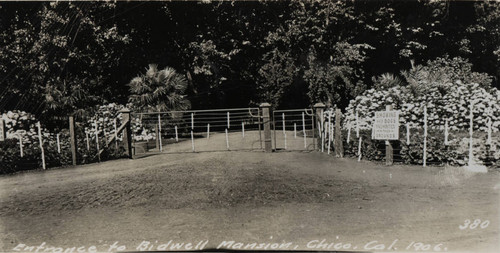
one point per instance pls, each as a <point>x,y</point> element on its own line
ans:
<point>159,90</point>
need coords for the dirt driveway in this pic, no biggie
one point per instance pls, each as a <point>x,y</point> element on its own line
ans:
<point>304,201</point>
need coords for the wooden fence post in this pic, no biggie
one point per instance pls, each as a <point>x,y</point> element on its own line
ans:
<point>72,139</point>
<point>58,144</point>
<point>471,132</point>
<point>3,131</point>
<point>266,120</point>
<point>329,132</point>
<point>359,149</point>
<point>97,142</point>
<point>425,137</point>
<point>21,145</point>
<point>127,132</point>
<point>319,108</point>
<point>304,129</point>
<point>41,144</point>
<point>339,145</point>
<point>176,135</point>
<point>389,151</point>
<point>407,133</point>
<point>159,132</point>
<point>116,134</point>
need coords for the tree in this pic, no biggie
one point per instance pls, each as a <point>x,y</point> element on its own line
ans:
<point>56,57</point>
<point>159,90</point>
<point>276,76</point>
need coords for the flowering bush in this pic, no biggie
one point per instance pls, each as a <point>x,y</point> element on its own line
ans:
<point>448,102</point>
<point>22,131</point>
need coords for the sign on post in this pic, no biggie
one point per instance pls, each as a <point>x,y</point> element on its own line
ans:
<point>386,125</point>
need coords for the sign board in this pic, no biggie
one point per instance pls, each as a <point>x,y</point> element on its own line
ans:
<point>386,125</point>
<point>2,130</point>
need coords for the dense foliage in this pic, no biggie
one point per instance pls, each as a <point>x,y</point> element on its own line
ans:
<point>64,58</point>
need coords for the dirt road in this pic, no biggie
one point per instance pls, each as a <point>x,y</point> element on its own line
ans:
<point>306,199</point>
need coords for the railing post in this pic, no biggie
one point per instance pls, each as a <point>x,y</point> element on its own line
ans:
<point>319,108</point>
<point>339,145</point>
<point>389,151</point>
<point>3,131</point>
<point>72,139</point>
<point>127,132</point>
<point>266,120</point>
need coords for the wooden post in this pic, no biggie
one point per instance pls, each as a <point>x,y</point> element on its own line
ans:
<point>192,128</point>
<point>471,132</point>
<point>359,149</point>
<point>425,137</point>
<point>339,146</point>
<point>97,142</point>
<point>208,131</point>
<point>3,131</point>
<point>176,135</point>
<point>408,133</point>
<point>228,124</point>
<point>192,121</point>
<point>58,144</point>
<point>266,120</point>
<point>295,130</point>
<point>72,140</point>
<point>389,151</point>
<point>260,130</point>
<point>116,134</point>
<point>159,132</point>
<point>41,144</point>
<point>21,145</point>
<point>227,140</point>
<point>127,132</point>
<point>489,141</point>
<point>329,131</point>
<point>88,141</point>
<point>284,128</point>
<point>192,140</point>
<point>322,131</point>
<point>283,117</point>
<point>243,129</point>
<point>304,129</point>
<point>319,108</point>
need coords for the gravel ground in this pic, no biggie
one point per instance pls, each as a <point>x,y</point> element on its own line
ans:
<point>250,197</point>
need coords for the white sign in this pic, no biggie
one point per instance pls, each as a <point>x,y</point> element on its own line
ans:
<point>386,125</point>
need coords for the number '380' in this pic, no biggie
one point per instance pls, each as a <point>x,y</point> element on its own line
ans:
<point>473,225</point>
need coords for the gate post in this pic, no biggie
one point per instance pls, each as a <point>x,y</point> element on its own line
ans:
<point>127,132</point>
<point>266,120</point>
<point>72,139</point>
<point>319,108</point>
<point>339,145</point>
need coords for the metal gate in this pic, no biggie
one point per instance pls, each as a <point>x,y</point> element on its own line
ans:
<point>294,129</point>
<point>197,131</point>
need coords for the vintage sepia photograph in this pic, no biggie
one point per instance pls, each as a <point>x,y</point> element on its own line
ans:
<point>258,125</point>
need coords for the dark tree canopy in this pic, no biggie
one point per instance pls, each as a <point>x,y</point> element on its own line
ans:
<point>64,58</point>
